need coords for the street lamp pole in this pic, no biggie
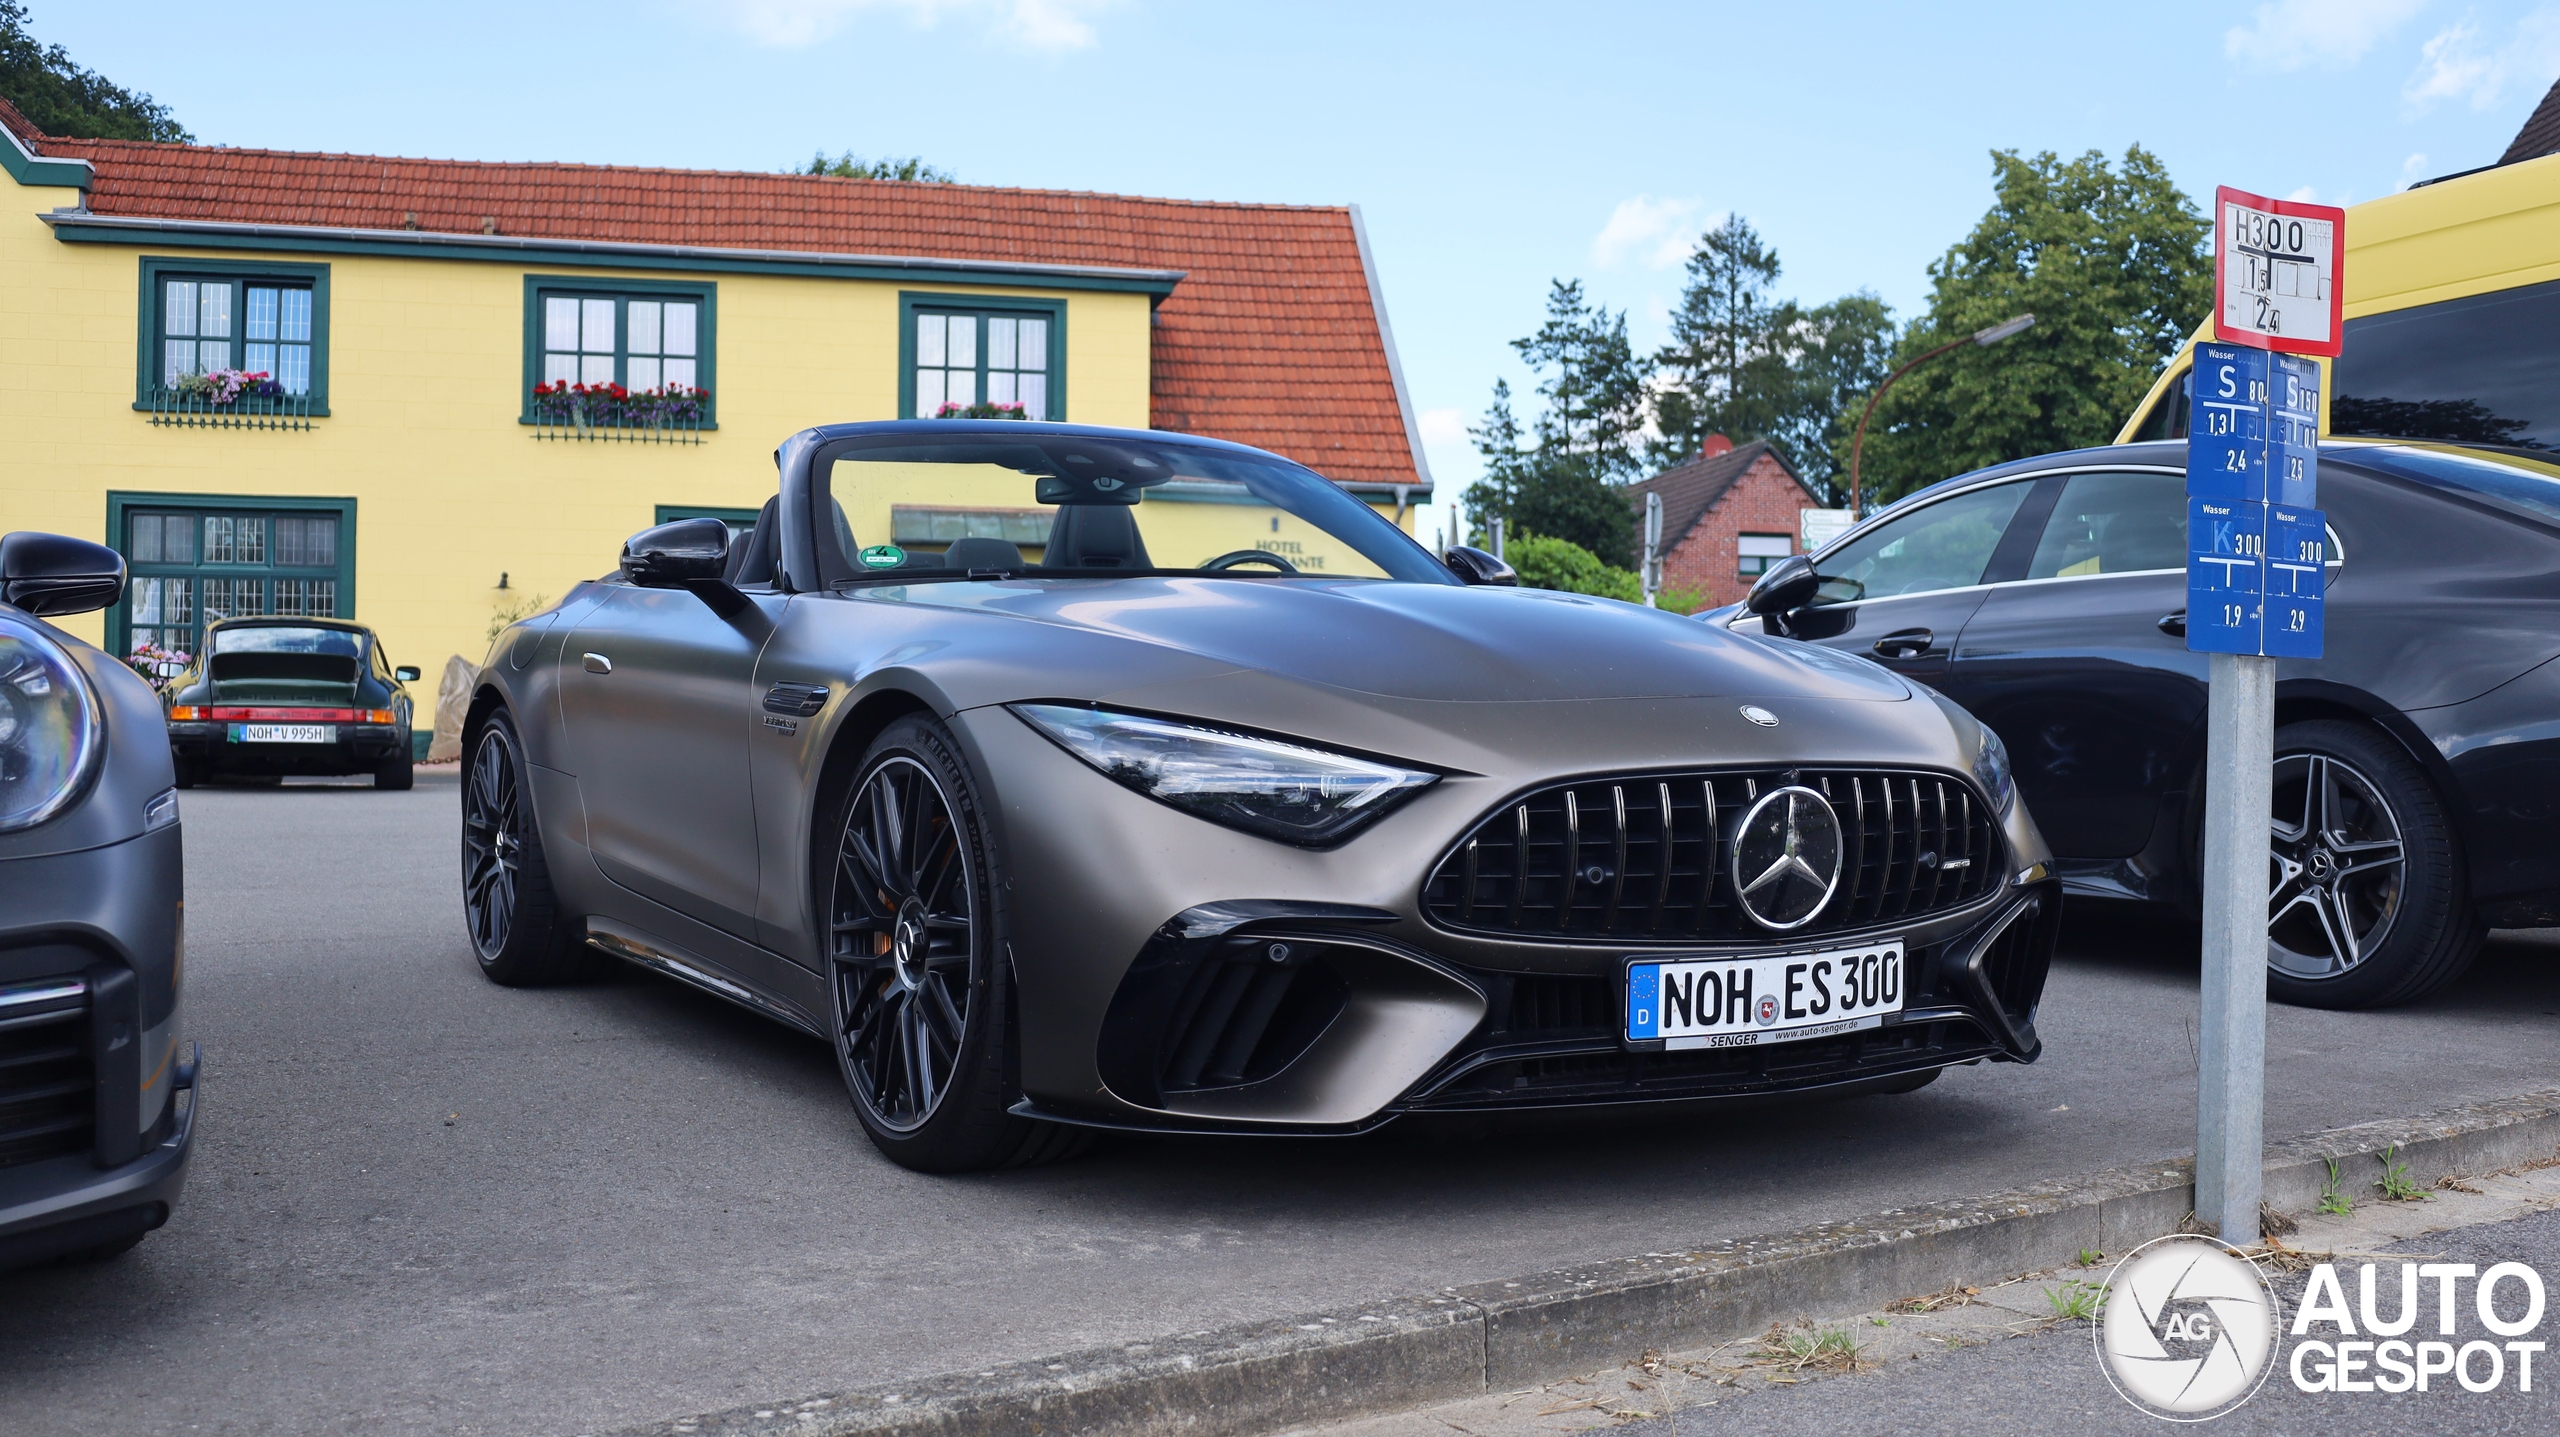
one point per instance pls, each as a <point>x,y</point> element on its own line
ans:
<point>1986,337</point>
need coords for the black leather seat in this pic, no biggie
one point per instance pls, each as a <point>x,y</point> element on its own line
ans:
<point>1095,536</point>
<point>751,560</point>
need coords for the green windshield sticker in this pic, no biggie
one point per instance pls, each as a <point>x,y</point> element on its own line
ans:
<point>883,556</point>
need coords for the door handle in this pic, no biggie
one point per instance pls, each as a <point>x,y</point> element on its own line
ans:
<point>597,664</point>
<point>1903,644</point>
<point>2174,625</point>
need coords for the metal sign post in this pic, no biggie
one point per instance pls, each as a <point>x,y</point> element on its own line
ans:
<point>1652,549</point>
<point>2255,541</point>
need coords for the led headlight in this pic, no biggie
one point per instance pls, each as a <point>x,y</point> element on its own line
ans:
<point>49,729</point>
<point>1278,790</point>
<point>1991,767</point>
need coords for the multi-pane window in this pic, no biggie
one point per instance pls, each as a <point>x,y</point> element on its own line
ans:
<point>963,359</point>
<point>259,326</point>
<point>636,342</point>
<point>192,567</point>
<point>1759,551</point>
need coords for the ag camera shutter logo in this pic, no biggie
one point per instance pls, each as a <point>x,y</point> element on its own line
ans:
<point>2190,1329</point>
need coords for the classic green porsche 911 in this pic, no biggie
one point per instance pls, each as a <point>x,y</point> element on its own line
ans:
<point>274,696</point>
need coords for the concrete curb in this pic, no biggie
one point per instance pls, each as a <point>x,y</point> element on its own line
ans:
<point>1496,1336</point>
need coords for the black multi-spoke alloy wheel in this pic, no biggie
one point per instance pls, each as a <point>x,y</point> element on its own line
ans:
<point>518,932</point>
<point>924,1028</point>
<point>2367,903</point>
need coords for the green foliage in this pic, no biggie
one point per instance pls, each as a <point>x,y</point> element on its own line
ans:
<point>1564,478</point>
<point>2112,261</point>
<point>1748,365</point>
<point>2077,1301</point>
<point>2396,1184</point>
<point>61,98</point>
<point>850,166</point>
<point>1560,564</point>
<point>2333,1200</point>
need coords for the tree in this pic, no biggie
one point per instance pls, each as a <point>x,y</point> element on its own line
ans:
<point>1746,365</point>
<point>60,98</point>
<point>1544,562</point>
<point>850,166</point>
<point>2113,263</point>
<point>1563,479</point>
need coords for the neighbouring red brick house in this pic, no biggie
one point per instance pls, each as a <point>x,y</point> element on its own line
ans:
<point>1726,514</point>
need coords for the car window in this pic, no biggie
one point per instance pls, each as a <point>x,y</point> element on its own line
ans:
<point>2114,524</point>
<point>1944,545</point>
<point>2480,370</point>
<point>274,639</point>
<point>2529,487</point>
<point>1093,506</point>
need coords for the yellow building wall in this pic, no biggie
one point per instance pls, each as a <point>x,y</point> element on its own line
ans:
<point>425,376</point>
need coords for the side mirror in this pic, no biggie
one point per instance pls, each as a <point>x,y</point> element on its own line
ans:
<point>50,574</point>
<point>669,555</point>
<point>1478,567</point>
<point>1787,585</point>
<point>408,673</point>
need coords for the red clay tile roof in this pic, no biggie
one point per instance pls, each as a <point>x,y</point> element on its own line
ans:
<point>1269,340</point>
<point>1692,487</point>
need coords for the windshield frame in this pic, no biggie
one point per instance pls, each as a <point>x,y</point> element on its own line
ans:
<point>1387,544</point>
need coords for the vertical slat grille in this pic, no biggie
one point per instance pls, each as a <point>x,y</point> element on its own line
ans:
<point>48,1086</point>
<point>1644,857</point>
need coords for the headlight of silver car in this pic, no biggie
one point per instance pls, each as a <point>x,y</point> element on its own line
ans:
<point>1991,767</point>
<point>1263,786</point>
<point>49,730</point>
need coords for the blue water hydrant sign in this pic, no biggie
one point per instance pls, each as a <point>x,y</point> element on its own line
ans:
<point>2256,539</point>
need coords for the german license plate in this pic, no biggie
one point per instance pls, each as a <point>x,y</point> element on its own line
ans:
<point>283,733</point>
<point>1740,1002</point>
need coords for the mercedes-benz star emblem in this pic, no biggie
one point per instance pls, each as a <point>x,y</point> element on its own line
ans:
<point>1786,857</point>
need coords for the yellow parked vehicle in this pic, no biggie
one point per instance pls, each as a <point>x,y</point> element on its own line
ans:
<point>2452,318</point>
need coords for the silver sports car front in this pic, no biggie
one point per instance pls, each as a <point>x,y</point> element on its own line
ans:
<point>1067,778</point>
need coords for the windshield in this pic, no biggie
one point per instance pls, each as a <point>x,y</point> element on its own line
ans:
<point>1102,506</point>
<point>2519,484</point>
<point>276,640</point>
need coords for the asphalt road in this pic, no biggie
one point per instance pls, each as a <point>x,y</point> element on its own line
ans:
<point>424,1203</point>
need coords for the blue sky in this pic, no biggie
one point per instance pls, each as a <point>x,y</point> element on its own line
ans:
<point>1490,146</point>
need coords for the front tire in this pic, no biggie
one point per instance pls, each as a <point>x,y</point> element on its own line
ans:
<point>2368,904</point>
<point>922,992</point>
<point>518,932</point>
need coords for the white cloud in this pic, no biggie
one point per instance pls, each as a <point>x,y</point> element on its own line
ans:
<point>1032,24</point>
<point>1443,426</point>
<point>2331,34</point>
<point>2460,63</point>
<point>1654,233</point>
<point>2412,169</point>
<point>2310,196</point>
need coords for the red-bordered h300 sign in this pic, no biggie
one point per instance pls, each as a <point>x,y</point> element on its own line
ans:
<point>2277,281</point>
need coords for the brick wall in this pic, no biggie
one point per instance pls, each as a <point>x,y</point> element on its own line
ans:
<point>1763,501</point>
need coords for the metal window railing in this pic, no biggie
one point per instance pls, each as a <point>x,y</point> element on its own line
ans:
<point>183,410</point>
<point>635,422</point>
